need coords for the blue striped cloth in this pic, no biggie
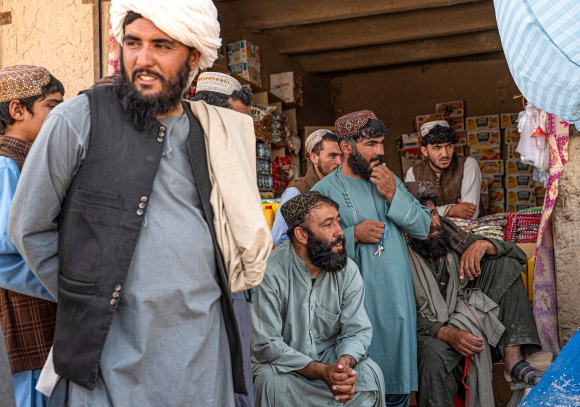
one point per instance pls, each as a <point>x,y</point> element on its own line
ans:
<point>541,41</point>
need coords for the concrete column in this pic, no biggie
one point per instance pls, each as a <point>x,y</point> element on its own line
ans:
<point>566,217</point>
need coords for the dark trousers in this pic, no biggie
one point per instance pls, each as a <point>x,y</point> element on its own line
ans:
<point>441,367</point>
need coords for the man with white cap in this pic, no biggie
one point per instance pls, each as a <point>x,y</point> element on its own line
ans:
<point>325,156</point>
<point>219,89</point>
<point>457,179</point>
<point>128,220</point>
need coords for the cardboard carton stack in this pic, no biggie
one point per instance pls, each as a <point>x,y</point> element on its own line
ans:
<point>244,60</point>
<point>287,86</point>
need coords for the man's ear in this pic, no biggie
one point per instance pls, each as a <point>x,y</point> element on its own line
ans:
<point>301,235</point>
<point>16,110</point>
<point>345,147</point>
<point>424,151</point>
<point>314,158</point>
<point>194,59</point>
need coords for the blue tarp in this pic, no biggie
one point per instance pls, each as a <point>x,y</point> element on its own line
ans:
<point>560,386</point>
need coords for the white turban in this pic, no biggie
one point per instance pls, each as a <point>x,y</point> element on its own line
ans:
<point>192,22</point>
<point>426,128</point>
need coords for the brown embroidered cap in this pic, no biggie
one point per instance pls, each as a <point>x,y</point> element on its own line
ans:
<point>22,81</point>
<point>299,206</point>
<point>350,124</point>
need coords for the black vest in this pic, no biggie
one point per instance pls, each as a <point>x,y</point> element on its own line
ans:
<point>99,227</point>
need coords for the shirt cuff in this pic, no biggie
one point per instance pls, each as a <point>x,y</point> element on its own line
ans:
<point>354,349</point>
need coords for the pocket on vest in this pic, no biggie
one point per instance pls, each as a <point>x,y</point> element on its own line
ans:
<point>77,287</point>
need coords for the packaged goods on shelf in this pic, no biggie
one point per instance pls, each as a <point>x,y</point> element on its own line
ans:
<point>514,208</point>
<point>263,166</point>
<point>497,195</point>
<point>281,173</point>
<point>451,109</point>
<point>511,135</point>
<point>410,139</point>
<point>511,152</point>
<point>487,152</point>
<point>456,123</point>
<point>410,157</point>
<point>264,151</point>
<point>515,166</point>
<point>426,118</point>
<point>509,120</point>
<point>483,137</point>
<point>462,138</point>
<point>515,181</point>
<point>287,86</point>
<point>496,207</point>
<point>477,123</point>
<point>243,51</point>
<point>459,151</point>
<point>523,196</point>
<point>249,71</point>
<point>494,167</point>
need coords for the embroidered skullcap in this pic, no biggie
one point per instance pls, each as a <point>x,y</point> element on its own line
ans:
<point>426,128</point>
<point>315,138</point>
<point>350,124</point>
<point>194,23</point>
<point>217,82</point>
<point>22,81</point>
<point>421,188</point>
<point>299,206</point>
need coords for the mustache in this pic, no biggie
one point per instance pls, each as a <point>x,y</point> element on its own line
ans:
<point>436,229</point>
<point>151,72</point>
<point>378,158</point>
<point>339,240</point>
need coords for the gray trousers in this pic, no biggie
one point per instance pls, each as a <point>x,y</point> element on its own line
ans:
<point>441,367</point>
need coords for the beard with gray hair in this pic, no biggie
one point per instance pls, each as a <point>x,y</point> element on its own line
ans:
<point>143,111</point>
<point>433,247</point>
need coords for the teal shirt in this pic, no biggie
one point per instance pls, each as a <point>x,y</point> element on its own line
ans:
<point>389,299</point>
<point>295,322</point>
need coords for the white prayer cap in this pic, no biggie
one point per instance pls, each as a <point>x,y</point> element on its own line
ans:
<point>314,139</point>
<point>217,82</point>
<point>194,23</point>
<point>428,126</point>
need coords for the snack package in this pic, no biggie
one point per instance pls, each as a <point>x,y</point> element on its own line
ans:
<point>497,195</point>
<point>477,123</point>
<point>521,196</point>
<point>495,208</point>
<point>462,138</point>
<point>410,139</point>
<point>426,118</point>
<point>459,151</point>
<point>410,157</point>
<point>515,166</point>
<point>495,167</point>
<point>511,152</point>
<point>509,120</point>
<point>484,152</point>
<point>511,135</point>
<point>483,137</point>
<point>456,123</point>
<point>519,181</point>
<point>451,109</point>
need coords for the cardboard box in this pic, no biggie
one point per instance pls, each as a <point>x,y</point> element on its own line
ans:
<point>483,137</point>
<point>477,123</point>
<point>510,151</point>
<point>515,166</point>
<point>410,139</point>
<point>524,196</point>
<point>456,123</point>
<point>509,120</point>
<point>248,71</point>
<point>485,152</point>
<point>495,207</point>
<point>451,109</point>
<point>287,86</point>
<point>462,138</point>
<point>497,195</point>
<point>488,168</point>
<point>410,157</point>
<point>511,135</point>
<point>516,181</point>
<point>426,118</point>
<point>484,186</point>
<point>540,196</point>
<point>459,150</point>
<point>242,51</point>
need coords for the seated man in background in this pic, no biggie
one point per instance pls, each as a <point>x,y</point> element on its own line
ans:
<point>458,318</point>
<point>222,90</point>
<point>324,157</point>
<point>310,328</point>
<point>457,179</point>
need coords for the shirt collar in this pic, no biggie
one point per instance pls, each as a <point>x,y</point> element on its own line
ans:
<point>15,144</point>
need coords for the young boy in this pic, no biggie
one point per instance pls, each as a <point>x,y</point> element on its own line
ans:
<point>27,310</point>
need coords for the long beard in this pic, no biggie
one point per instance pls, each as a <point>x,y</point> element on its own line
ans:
<point>360,166</point>
<point>433,247</point>
<point>143,111</point>
<point>321,254</point>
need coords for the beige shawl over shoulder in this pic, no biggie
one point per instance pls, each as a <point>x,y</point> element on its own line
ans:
<point>241,229</point>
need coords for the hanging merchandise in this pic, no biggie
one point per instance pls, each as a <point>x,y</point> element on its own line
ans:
<point>532,145</point>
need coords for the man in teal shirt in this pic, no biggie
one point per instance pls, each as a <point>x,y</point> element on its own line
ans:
<point>375,211</point>
<point>310,330</point>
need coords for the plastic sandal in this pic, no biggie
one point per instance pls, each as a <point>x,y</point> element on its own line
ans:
<point>520,371</point>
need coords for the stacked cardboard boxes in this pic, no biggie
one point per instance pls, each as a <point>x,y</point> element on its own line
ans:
<point>287,86</point>
<point>244,60</point>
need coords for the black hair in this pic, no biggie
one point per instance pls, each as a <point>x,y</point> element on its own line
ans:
<point>222,100</point>
<point>327,137</point>
<point>426,197</point>
<point>317,203</point>
<point>6,119</point>
<point>440,135</point>
<point>373,129</point>
<point>131,17</point>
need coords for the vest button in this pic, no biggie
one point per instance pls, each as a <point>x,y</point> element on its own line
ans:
<point>160,139</point>
<point>142,205</point>
<point>139,212</point>
<point>161,128</point>
<point>143,199</point>
<point>118,287</point>
<point>113,302</point>
<point>161,134</point>
<point>115,294</point>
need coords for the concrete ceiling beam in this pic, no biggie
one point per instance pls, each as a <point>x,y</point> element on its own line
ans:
<point>401,53</point>
<point>260,15</point>
<point>386,28</point>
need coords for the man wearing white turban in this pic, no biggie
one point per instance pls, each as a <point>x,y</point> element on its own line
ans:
<point>139,230</point>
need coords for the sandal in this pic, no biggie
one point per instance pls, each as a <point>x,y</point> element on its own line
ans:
<point>520,371</point>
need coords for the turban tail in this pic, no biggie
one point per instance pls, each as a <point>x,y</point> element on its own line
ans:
<point>194,23</point>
